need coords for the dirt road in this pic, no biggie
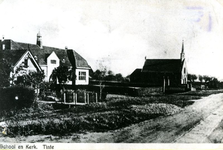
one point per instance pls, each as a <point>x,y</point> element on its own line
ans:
<point>198,123</point>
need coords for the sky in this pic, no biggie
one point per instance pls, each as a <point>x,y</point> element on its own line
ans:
<point>120,34</point>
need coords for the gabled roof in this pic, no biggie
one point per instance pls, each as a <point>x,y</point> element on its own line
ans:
<point>76,60</point>
<point>162,65</point>
<point>45,51</point>
<point>12,56</point>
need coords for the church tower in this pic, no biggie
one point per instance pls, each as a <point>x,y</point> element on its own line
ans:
<point>182,54</point>
<point>39,40</point>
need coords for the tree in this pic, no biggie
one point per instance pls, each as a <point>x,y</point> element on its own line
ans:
<point>61,75</point>
<point>5,69</point>
<point>110,76</point>
<point>200,77</point>
<point>119,77</point>
<point>206,78</point>
<point>214,83</point>
<point>192,77</point>
<point>99,74</point>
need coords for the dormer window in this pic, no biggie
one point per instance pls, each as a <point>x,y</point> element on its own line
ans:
<point>53,61</point>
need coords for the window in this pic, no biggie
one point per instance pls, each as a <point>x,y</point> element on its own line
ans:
<point>82,75</point>
<point>53,61</point>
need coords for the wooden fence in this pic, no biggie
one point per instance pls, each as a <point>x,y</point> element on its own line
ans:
<point>79,97</point>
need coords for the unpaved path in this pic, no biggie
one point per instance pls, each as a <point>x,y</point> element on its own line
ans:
<point>201,122</point>
<point>195,124</point>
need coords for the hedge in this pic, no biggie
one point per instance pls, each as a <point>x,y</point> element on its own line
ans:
<point>16,97</point>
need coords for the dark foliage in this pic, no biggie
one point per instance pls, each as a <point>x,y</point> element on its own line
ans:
<point>5,68</point>
<point>16,97</point>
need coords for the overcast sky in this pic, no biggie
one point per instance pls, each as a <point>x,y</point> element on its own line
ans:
<point>121,33</point>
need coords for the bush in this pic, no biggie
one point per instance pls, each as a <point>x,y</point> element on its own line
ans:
<point>16,97</point>
<point>151,91</point>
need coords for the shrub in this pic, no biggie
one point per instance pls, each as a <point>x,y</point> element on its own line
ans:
<point>143,92</point>
<point>16,97</point>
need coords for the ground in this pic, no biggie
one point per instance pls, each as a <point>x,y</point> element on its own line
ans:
<point>198,123</point>
<point>201,122</point>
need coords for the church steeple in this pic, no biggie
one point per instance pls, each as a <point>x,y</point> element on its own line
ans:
<point>39,40</point>
<point>182,55</point>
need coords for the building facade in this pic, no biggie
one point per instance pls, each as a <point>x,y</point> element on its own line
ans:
<point>171,72</point>
<point>43,58</point>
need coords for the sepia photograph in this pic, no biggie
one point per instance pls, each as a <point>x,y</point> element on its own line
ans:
<point>110,71</point>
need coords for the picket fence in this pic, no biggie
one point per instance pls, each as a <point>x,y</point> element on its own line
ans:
<point>72,97</point>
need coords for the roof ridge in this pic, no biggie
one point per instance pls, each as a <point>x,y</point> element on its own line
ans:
<point>37,45</point>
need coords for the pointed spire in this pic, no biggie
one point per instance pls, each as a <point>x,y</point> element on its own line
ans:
<point>182,46</point>
<point>182,55</point>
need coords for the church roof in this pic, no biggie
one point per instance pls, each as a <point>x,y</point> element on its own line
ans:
<point>137,72</point>
<point>45,51</point>
<point>162,65</point>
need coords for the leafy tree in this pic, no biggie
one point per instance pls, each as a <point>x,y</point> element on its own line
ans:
<point>206,78</point>
<point>99,74</point>
<point>119,77</point>
<point>5,69</point>
<point>214,83</point>
<point>110,76</point>
<point>200,77</point>
<point>192,77</point>
<point>60,74</point>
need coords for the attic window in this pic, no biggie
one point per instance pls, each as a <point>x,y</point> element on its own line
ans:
<point>53,61</point>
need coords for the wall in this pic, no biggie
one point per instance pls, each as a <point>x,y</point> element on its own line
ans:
<point>51,65</point>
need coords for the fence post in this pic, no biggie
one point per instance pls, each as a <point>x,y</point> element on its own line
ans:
<point>164,84</point>
<point>75,98</point>
<point>96,97</point>
<point>88,101</point>
<point>64,97</point>
<point>85,97</point>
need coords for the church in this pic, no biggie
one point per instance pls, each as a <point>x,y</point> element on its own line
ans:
<point>159,72</point>
<point>36,57</point>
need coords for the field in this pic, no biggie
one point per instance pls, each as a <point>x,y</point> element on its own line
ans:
<point>115,113</point>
